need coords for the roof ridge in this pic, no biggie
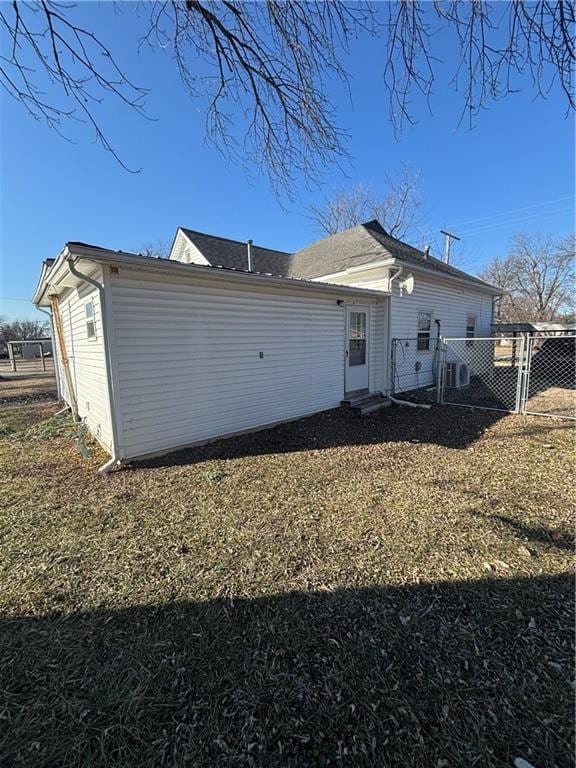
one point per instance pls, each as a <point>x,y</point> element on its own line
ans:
<point>327,237</point>
<point>233,240</point>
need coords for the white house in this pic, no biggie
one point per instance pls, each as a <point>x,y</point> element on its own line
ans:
<point>225,337</point>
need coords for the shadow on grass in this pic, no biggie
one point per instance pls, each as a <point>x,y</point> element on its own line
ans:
<point>445,426</point>
<point>470,673</point>
<point>553,537</point>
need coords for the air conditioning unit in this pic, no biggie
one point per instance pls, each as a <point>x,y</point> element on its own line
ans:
<point>456,375</point>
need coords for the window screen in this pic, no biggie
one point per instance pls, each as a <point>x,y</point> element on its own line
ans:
<point>357,341</point>
<point>424,324</point>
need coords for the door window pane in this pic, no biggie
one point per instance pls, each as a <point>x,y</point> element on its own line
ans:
<point>357,341</point>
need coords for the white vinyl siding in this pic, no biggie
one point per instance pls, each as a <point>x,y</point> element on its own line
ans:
<point>199,358</point>
<point>449,302</point>
<point>87,360</point>
<point>452,305</point>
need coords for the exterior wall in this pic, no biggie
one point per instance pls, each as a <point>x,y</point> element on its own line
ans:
<point>189,365</point>
<point>378,372</point>
<point>87,361</point>
<point>447,301</point>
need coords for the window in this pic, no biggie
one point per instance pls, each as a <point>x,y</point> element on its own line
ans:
<point>470,328</point>
<point>424,325</point>
<point>357,340</point>
<point>90,323</point>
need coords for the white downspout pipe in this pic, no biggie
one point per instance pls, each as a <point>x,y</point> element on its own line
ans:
<point>115,459</point>
<point>396,274</point>
<point>54,352</point>
<point>395,400</point>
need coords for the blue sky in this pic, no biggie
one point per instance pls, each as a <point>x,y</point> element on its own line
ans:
<point>514,171</point>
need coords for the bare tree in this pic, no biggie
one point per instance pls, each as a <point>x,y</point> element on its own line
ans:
<point>270,62</point>
<point>21,330</point>
<point>157,249</point>
<point>536,278</point>
<point>397,208</point>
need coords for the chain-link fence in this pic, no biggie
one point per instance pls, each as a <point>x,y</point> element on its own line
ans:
<point>550,381</point>
<point>522,374</point>
<point>482,373</point>
<point>414,364</point>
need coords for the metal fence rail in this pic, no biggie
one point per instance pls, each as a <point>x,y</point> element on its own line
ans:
<point>523,374</point>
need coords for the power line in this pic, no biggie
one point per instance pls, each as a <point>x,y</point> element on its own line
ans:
<point>512,210</point>
<point>508,222</point>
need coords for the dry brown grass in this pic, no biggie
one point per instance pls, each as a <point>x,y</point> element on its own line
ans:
<point>393,590</point>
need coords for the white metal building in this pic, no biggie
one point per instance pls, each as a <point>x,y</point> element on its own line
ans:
<point>225,337</point>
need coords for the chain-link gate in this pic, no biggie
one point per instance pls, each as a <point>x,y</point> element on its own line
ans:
<point>550,376</point>
<point>521,374</point>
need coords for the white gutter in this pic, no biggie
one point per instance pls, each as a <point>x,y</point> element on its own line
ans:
<point>168,266</point>
<point>115,460</point>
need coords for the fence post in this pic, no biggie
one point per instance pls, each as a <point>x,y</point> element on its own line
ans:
<point>520,381</point>
<point>528,349</point>
<point>11,356</point>
<point>392,366</point>
<point>441,366</point>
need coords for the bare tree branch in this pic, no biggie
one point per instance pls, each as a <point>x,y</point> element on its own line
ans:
<point>397,209</point>
<point>45,43</point>
<point>264,68</point>
<point>537,278</point>
<point>499,44</point>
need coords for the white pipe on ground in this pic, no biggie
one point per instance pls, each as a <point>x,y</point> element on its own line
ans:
<point>107,466</point>
<point>409,404</point>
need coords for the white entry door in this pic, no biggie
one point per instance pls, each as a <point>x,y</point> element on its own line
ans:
<point>357,341</point>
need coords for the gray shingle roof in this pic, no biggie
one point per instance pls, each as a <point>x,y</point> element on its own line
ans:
<point>233,254</point>
<point>362,244</point>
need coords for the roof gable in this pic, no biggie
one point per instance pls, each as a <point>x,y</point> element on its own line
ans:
<point>233,254</point>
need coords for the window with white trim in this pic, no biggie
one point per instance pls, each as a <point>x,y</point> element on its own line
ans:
<point>90,322</point>
<point>470,328</point>
<point>423,331</point>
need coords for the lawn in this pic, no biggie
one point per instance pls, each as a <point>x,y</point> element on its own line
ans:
<point>394,590</point>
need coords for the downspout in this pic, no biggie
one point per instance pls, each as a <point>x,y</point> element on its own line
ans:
<point>436,358</point>
<point>115,460</point>
<point>54,351</point>
<point>396,274</point>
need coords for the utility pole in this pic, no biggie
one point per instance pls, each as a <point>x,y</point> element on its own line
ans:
<point>449,237</point>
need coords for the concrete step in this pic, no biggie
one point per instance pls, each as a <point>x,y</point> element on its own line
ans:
<point>365,402</point>
<point>352,398</point>
<point>371,407</point>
